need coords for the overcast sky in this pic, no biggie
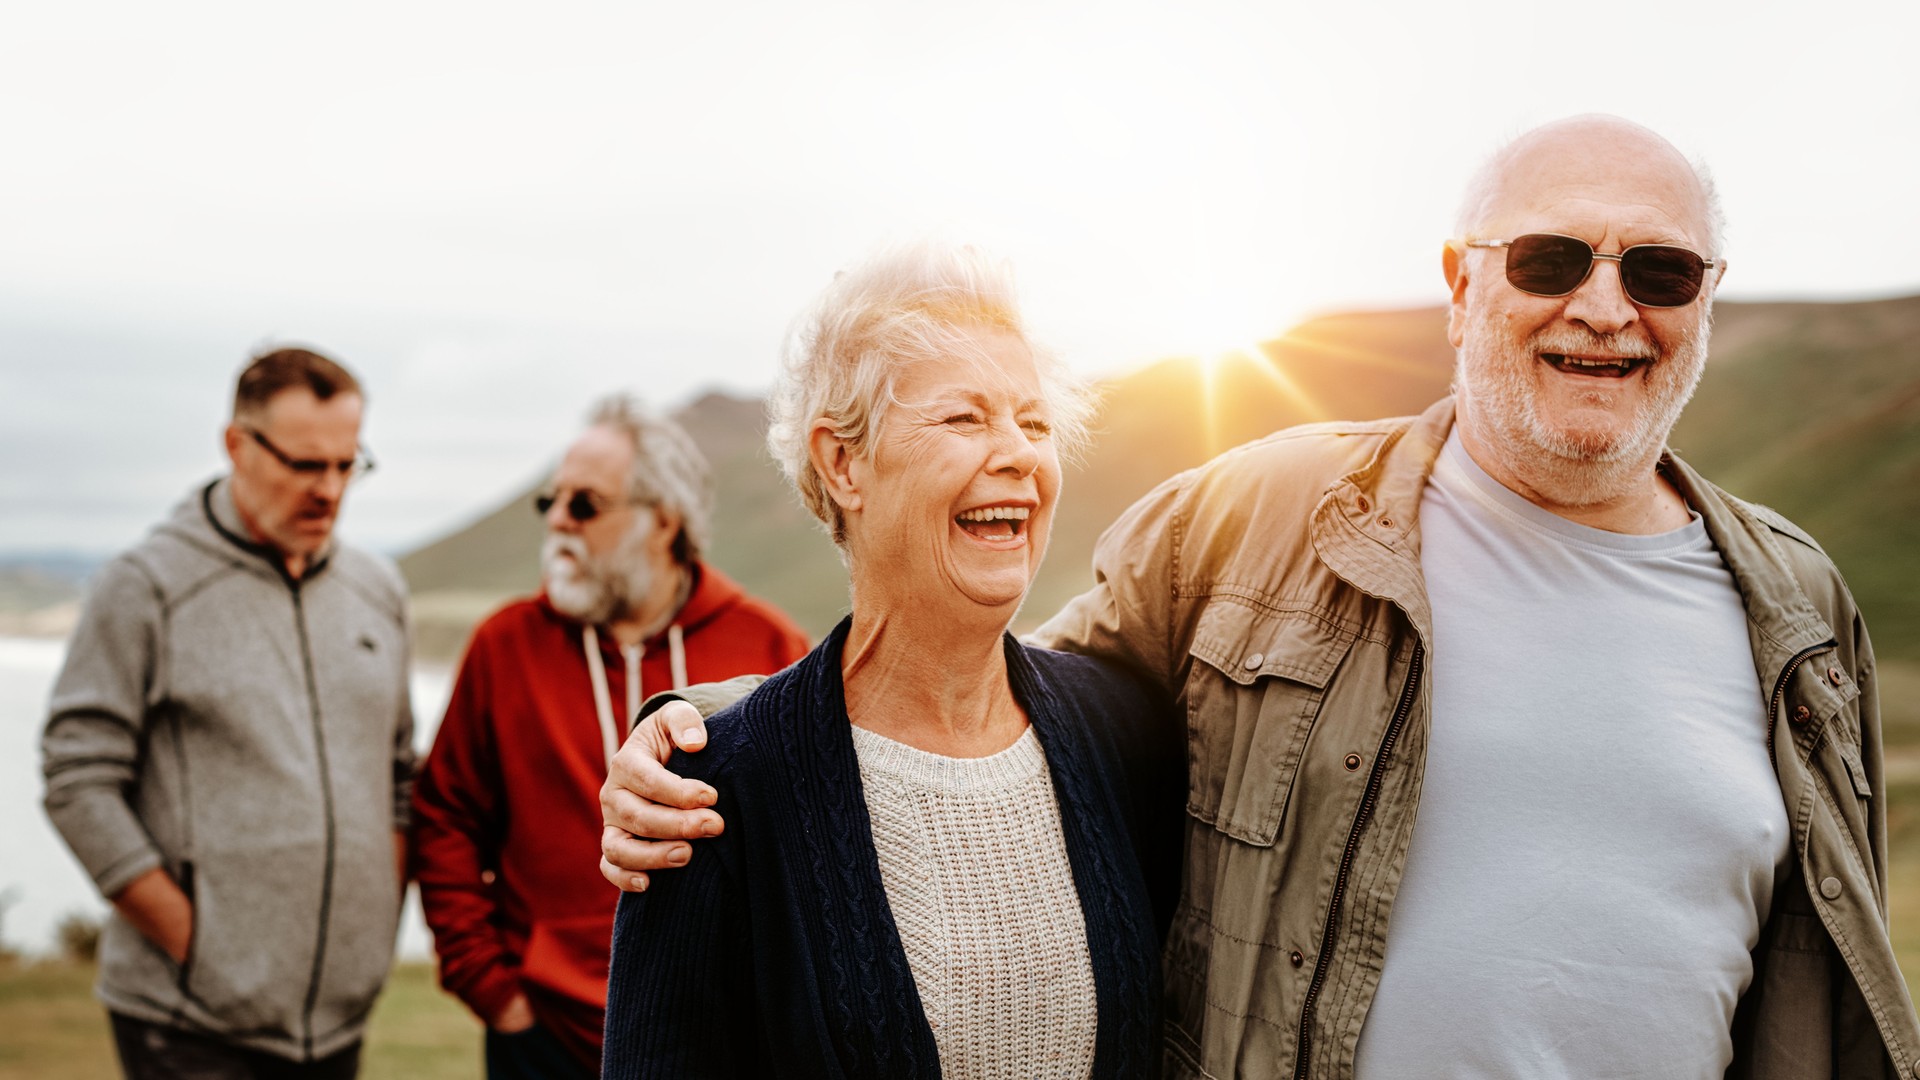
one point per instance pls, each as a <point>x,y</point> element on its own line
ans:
<point>494,214</point>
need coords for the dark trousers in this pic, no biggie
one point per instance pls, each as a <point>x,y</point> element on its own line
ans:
<point>152,1052</point>
<point>533,1054</point>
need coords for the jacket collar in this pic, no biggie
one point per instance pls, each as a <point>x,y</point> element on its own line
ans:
<point>217,510</point>
<point>1781,621</point>
<point>1366,527</point>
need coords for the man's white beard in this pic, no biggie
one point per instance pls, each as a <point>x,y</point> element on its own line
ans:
<point>1574,467</point>
<point>598,590</point>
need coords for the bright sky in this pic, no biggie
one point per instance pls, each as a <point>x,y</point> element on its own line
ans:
<point>496,213</point>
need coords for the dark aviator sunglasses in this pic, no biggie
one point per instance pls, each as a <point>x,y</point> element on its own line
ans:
<point>1654,275</point>
<point>582,506</point>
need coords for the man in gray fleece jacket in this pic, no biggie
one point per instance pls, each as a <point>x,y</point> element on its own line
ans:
<point>229,750</point>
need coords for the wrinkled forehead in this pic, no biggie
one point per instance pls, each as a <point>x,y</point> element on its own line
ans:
<point>599,460</point>
<point>997,365</point>
<point>296,412</point>
<point>1625,185</point>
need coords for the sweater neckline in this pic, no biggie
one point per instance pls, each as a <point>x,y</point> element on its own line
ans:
<point>881,756</point>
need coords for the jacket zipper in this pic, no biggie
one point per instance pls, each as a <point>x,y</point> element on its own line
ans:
<point>326,801</point>
<point>1780,694</point>
<point>1360,819</point>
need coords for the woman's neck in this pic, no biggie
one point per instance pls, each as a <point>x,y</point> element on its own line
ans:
<point>931,684</point>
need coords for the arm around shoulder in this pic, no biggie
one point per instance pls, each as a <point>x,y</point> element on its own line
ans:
<point>1128,617</point>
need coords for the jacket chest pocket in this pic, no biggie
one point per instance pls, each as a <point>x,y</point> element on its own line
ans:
<point>1253,691</point>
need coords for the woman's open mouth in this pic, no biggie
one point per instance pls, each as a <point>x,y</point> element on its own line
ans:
<point>994,522</point>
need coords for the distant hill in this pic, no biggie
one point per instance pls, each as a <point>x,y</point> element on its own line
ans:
<point>1811,408</point>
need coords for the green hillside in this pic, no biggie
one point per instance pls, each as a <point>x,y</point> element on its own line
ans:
<point>1814,409</point>
<point>1811,408</point>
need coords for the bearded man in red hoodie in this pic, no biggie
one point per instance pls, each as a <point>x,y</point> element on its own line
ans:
<point>509,798</point>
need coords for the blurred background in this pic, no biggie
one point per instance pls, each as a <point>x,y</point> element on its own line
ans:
<point>1230,214</point>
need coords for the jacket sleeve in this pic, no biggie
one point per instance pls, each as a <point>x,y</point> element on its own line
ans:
<point>1129,617</point>
<point>97,727</point>
<point>1872,758</point>
<point>680,997</point>
<point>457,829</point>
<point>709,698</point>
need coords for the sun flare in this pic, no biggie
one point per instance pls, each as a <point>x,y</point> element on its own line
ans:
<point>1215,368</point>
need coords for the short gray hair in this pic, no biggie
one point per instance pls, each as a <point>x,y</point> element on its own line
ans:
<point>1475,204</point>
<point>905,305</point>
<point>669,471</point>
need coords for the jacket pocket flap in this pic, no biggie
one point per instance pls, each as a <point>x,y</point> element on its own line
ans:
<point>1856,771</point>
<point>1246,643</point>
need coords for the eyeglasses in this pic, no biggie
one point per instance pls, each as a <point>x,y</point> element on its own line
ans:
<point>314,469</point>
<point>1654,275</point>
<point>582,506</point>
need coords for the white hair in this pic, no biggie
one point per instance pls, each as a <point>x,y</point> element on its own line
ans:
<point>668,469</point>
<point>1477,202</point>
<point>905,305</point>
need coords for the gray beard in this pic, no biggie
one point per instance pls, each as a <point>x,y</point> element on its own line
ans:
<point>597,590</point>
<point>1569,468</point>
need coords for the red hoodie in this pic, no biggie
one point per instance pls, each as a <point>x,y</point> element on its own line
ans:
<point>506,810</point>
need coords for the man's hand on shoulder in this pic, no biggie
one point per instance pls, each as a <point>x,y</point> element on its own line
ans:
<point>649,812</point>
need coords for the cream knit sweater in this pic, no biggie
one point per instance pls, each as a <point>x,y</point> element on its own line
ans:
<point>977,877</point>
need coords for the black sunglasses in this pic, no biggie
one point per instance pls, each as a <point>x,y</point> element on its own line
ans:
<point>582,506</point>
<point>312,469</point>
<point>1654,275</point>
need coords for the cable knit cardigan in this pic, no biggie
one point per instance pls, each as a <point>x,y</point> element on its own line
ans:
<point>774,951</point>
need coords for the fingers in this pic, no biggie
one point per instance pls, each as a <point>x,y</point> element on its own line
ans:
<point>684,725</point>
<point>638,766</point>
<point>624,880</point>
<point>624,858</point>
<point>630,813</point>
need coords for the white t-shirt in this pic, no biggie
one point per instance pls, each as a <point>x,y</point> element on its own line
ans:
<point>1599,825</point>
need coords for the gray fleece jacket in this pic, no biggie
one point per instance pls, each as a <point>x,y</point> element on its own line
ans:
<point>252,735</point>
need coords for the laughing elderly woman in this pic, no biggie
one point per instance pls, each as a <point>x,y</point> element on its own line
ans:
<point>938,841</point>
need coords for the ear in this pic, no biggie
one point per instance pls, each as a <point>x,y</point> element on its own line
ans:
<point>834,462</point>
<point>233,438</point>
<point>666,529</point>
<point>1453,263</point>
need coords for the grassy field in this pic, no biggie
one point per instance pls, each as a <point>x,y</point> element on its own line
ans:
<point>52,1029</point>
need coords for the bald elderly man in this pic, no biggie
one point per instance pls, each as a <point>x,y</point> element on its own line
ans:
<point>1516,748</point>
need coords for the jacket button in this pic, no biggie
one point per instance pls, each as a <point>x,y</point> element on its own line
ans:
<point>1353,762</point>
<point>1386,523</point>
<point>1830,888</point>
<point>1801,714</point>
<point>1834,676</point>
<point>1363,504</point>
<point>1255,660</point>
<point>1297,960</point>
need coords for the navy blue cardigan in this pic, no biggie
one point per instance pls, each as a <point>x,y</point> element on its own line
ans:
<point>774,951</point>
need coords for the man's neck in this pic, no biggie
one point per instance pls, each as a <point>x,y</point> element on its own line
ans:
<point>664,601</point>
<point>1645,504</point>
<point>295,564</point>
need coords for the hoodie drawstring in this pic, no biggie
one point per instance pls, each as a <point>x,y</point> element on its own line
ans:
<point>610,733</point>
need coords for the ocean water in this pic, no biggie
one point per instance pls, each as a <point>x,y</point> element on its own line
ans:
<point>40,883</point>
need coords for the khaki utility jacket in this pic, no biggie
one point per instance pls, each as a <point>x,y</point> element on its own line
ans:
<point>1278,591</point>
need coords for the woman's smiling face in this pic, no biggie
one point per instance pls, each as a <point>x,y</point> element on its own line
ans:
<point>958,490</point>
